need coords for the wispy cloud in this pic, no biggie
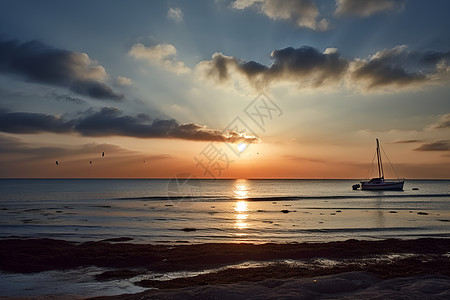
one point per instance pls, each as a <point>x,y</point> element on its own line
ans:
<point>175,14</point>
<point>14,145</point>
<point>37,62</point>
<point>443,145</point>
<point>163,55</point>
<point>406,141</point>
<point>442,123</point>
<point>22,158</point>
<point>67,98</point>
<point>303,13</point>
<point>367,8</point>
<point>110,121</point>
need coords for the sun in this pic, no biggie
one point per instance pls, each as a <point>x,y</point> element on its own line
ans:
<point>241,147</point>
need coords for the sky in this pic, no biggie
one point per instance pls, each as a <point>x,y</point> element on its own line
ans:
<point>224,89</point>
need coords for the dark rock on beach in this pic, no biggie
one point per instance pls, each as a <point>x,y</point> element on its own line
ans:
<point>189,229</point>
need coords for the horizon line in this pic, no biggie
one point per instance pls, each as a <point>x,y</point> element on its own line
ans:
<point>205,178</point>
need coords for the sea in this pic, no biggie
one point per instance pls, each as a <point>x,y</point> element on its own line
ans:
<point>188,210</point>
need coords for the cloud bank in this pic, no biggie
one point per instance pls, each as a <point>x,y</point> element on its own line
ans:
<point>307,67</point>
<point>303,13</point>
<point>111,122</point>
<point>37,62</point>
<point>367,8</point>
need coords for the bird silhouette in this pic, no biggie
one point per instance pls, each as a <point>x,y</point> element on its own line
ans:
<point>103,154</point>
<point>57,163</point>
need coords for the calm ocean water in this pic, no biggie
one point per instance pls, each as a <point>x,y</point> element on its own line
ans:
<point>161,210</point>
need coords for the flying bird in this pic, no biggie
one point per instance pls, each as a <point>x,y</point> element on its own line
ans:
<point>57,163</point>
<point>103,154</point>
<point>90,162</point>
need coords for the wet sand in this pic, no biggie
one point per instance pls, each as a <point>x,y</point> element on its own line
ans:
<point>353,285</point>
<point>297,269</point>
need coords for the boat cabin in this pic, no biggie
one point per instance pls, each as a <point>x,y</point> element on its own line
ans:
<point>376,180</point>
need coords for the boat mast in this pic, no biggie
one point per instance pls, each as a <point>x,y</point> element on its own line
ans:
<point>380,164</point>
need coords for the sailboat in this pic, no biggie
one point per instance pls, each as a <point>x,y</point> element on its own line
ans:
<point>379,183</point>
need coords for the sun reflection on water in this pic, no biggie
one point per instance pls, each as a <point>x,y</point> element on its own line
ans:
<point>240,191</point>
<point>241,216</point>
<point>241,206</point>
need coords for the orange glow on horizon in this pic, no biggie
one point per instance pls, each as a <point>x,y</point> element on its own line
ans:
<point>167,158</point>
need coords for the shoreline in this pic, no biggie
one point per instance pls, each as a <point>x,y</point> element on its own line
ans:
<point>217,264</point>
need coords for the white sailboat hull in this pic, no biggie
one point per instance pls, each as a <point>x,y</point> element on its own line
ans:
<point>383,186</point>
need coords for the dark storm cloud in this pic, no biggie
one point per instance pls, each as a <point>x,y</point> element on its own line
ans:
<point>398,67</point>
<point>24,122</point>
<point>389,69</point>
<point>305,65</point>
<point>385,68</point>
<point>110,121</point>
<point>443,145</point>
<point>366,8</point>
<point>309,64</point>
<point>253,68</point>
<point>40,63</point>
<point>94,89</point>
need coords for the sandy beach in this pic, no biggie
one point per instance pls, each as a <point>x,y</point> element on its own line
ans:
<point>369,269</point>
